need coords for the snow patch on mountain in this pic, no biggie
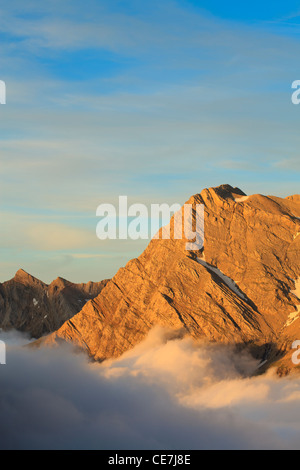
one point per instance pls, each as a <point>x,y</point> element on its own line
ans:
<point>228,281</point>
<point>294,315</point>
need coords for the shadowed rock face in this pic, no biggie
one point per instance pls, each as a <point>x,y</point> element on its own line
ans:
<point>238,289</point>
<point>29,305</point>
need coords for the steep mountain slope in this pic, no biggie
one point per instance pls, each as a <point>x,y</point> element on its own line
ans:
<point>29,305</point>
<point>239,289</point>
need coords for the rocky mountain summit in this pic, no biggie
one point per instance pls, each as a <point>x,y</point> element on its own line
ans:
<point>29,305</point>
<point>242,288</point>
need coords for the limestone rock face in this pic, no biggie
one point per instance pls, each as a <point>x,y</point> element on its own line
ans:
<point>241,288</point>
<point>29,305</point>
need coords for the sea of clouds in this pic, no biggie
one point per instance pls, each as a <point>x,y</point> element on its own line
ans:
<point>166,393</point>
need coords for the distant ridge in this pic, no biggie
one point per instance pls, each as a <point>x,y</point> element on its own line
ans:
<point>29,305</point>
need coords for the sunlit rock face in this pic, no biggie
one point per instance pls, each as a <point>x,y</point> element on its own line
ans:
<point>240,288</point>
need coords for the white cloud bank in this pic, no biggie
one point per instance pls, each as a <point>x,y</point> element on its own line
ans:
<point>164,394</point>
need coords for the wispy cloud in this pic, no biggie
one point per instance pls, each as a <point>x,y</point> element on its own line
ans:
<point>289,164</point>
<point>150,100</point>
<point>167,393</point>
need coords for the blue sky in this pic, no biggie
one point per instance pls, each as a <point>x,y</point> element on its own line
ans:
<point>153,100</point>
<point>246,12</point>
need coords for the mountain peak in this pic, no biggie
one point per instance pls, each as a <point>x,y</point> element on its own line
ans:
<point>30,305</point>
<point>60,282</point>
<point>22,274</point>
<point>226,191</point>
<point>220,194</point>
<point>227,295</point>
<point>25,278</point>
